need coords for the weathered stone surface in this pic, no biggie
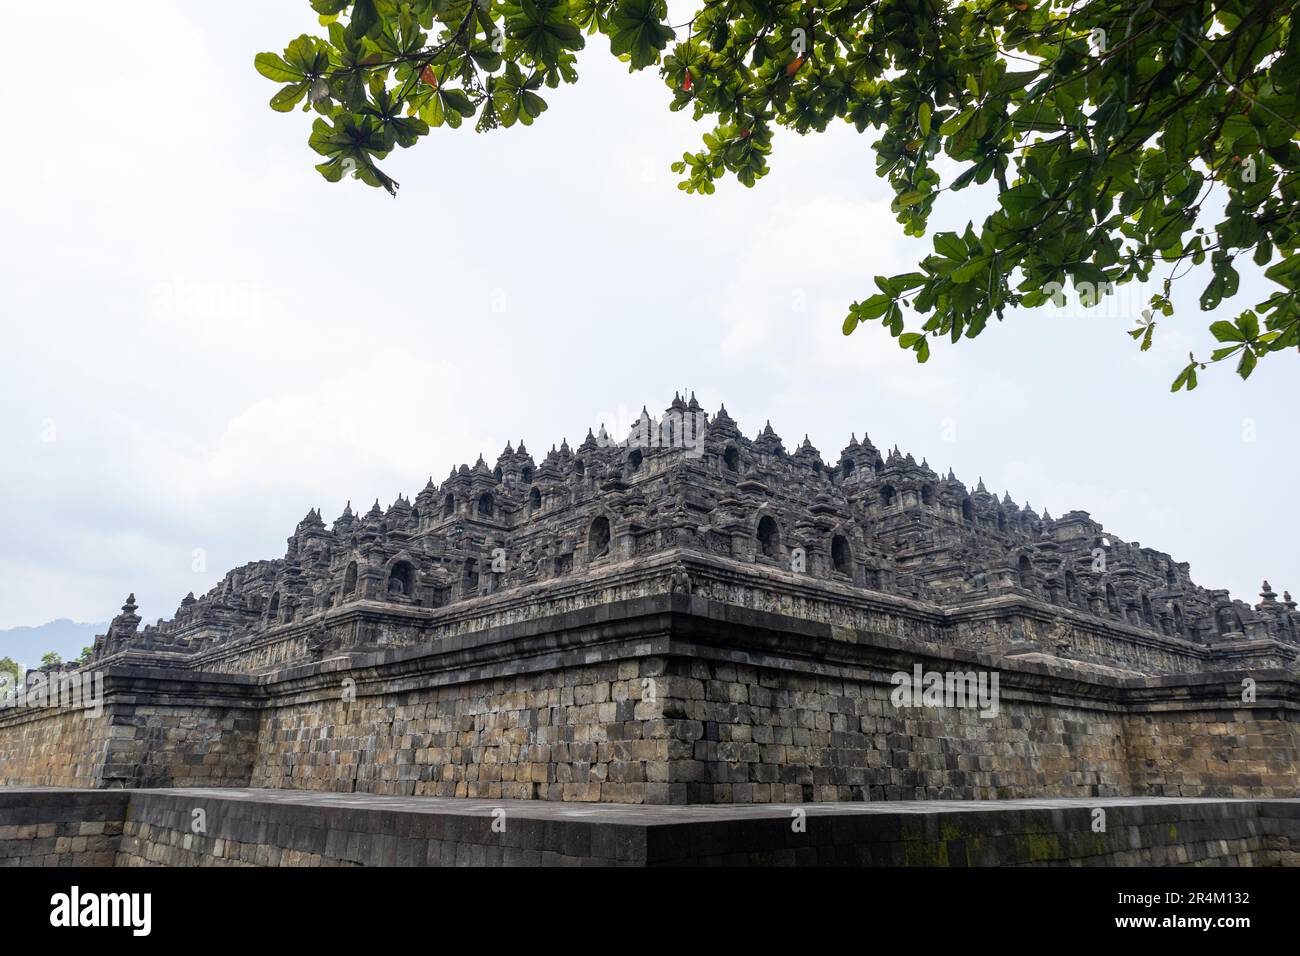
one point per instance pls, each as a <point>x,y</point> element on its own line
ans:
<point>690,617</point>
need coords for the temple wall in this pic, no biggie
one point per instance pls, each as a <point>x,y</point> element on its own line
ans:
<point>669,699</point>
<point>1225,753</point>
<point>61,827</point>
<point>55,748</point>
<point>755,735</point>
<point>577,733</point>
<point>131,745</point>
<point>153,728</point>
<point>758,735</point>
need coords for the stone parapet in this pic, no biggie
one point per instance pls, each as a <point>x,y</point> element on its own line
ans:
<point>240,827</point>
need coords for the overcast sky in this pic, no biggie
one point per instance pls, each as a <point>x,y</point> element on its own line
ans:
<point>203,339</point>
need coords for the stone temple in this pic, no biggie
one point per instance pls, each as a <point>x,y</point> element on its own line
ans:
<point>691,616</point>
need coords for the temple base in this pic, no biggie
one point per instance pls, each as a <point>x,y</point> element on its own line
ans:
<point>224,827</point>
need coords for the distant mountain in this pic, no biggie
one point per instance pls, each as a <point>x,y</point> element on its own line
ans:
<point>27,645</point>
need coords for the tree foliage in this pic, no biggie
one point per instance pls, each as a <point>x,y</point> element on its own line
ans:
<point>11,674</point>
<point>1126,140</point>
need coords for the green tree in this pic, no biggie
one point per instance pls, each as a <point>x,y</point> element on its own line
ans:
<point>51,659</point>
<point>1127,139</point>
<point>10,676</point>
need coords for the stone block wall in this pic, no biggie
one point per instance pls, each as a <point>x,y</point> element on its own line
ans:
<point>746,734</point>
<point>56,748</point>
<point>181,746</point>
<point>155,729</point>
<point>670,699</point>
<point>1227,753</point>
<point>581,733</point>
<point>61,827</point>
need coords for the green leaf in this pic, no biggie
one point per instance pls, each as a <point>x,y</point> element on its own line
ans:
<point>1225,331</point>
<point>639,31</point>
<point>289,97</point>
<point>1187,377</point>
<point>1247,363</point>
<point>533,105</point>
<point>950,245</point>
<point>1248,324</point>
<point>458,101</point>
<point>274,68</point>
<point>872,308</point>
